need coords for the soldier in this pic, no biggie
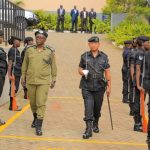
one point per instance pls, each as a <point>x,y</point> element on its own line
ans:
<point>14,66</point>
<point>3,68</point>
<point>139,72</point>
<point>92,16</point>
<point>39,66</point>
<point>60,18</point>
<point>27,42</point>
<point>84,19</point>
<point>126,70</point>
<point>93,65</point>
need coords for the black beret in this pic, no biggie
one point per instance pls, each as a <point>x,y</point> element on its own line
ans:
<point>128,42</point>
<point>11,40</point>
<point>1,33</point>
<point>41,32</point>
<point>27,39</point>
<point>94,39</point>
<point>143,38</point>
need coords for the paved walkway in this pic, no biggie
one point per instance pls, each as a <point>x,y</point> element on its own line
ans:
<point>63,125</point>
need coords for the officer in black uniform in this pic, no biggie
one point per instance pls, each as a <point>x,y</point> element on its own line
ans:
<point>14,65</point>
<point>94,65</point>
<point>139,71</point>
<point>27,42</point>
<point>3,68</point>
<point>126,70</point>
<point>132,76</point>
<point>135,94</point>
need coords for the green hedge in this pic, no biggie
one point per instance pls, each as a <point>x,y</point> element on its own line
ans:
<point>130,28</point>
<point>48,21</point>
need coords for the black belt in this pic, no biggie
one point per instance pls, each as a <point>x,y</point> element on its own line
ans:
<point>95,76</point>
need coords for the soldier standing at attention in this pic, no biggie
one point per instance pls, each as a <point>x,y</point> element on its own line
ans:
<point>14,66</point>
<point>27,42</point>
<point>93,67</point>
<point>39,70</point>
<point>3,68</point>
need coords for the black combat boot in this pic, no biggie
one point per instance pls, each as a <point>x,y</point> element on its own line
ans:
<point>38,127</point>
<point>131,113</point>
<point>138,127</point>
<point>95,125</point>
<point>88,131</point>
<point>148,140</point>
<point>33,125</point>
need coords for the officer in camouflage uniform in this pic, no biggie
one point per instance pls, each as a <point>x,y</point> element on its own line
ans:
<point>3,68</point>
<point>39,69</point>
<point>93,84</point>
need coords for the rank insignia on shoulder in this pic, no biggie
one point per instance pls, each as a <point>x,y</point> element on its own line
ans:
<point>50,48</point>
<point>140,57</point>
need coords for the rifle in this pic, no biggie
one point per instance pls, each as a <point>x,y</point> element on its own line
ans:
<point>142,102</point>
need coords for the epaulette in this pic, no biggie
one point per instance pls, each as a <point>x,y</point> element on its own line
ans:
<point>50,48</point>
<point>34,46</point>
<point>103,54</point>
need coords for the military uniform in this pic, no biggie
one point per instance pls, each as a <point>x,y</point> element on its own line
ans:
<point>126,72</point>
<point>39,69</point>
<point>93,87</point>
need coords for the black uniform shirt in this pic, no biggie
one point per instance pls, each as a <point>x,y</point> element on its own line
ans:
<point>3,62</point>
<point>96,67</point>
<point>14,55</point>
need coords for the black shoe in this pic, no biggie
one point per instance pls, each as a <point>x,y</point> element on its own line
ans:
<point>38,127</point>
<point>33,125</point>
<point>148,142</point>
<point>131,113</point>
<point>138,127</point>
<point>95,126</point>
<point>88,131</point>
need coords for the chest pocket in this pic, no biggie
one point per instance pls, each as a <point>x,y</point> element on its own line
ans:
<point>47,58</point>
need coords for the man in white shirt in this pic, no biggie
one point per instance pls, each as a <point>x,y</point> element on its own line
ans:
<point>84,18</point>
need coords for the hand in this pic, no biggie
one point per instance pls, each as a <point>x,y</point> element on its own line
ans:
<point>52,84</point>
<point>11,78</point>
<point>140,88</point>
<point>108,91</point>
<point>22,82</point>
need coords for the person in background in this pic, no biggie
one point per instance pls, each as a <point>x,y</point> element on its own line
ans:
<point>74,18</point>
<point>60,19</point>
<point>27,42</point>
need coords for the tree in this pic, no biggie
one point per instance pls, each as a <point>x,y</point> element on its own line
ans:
<point>19,2</point>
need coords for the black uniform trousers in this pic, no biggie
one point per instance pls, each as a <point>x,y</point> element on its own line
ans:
<point>17,83</point>
<point>125,86</point>
<point>61,21</point>
<point>93,101</point>
<point>2,81</point>
<point>136,107</point>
